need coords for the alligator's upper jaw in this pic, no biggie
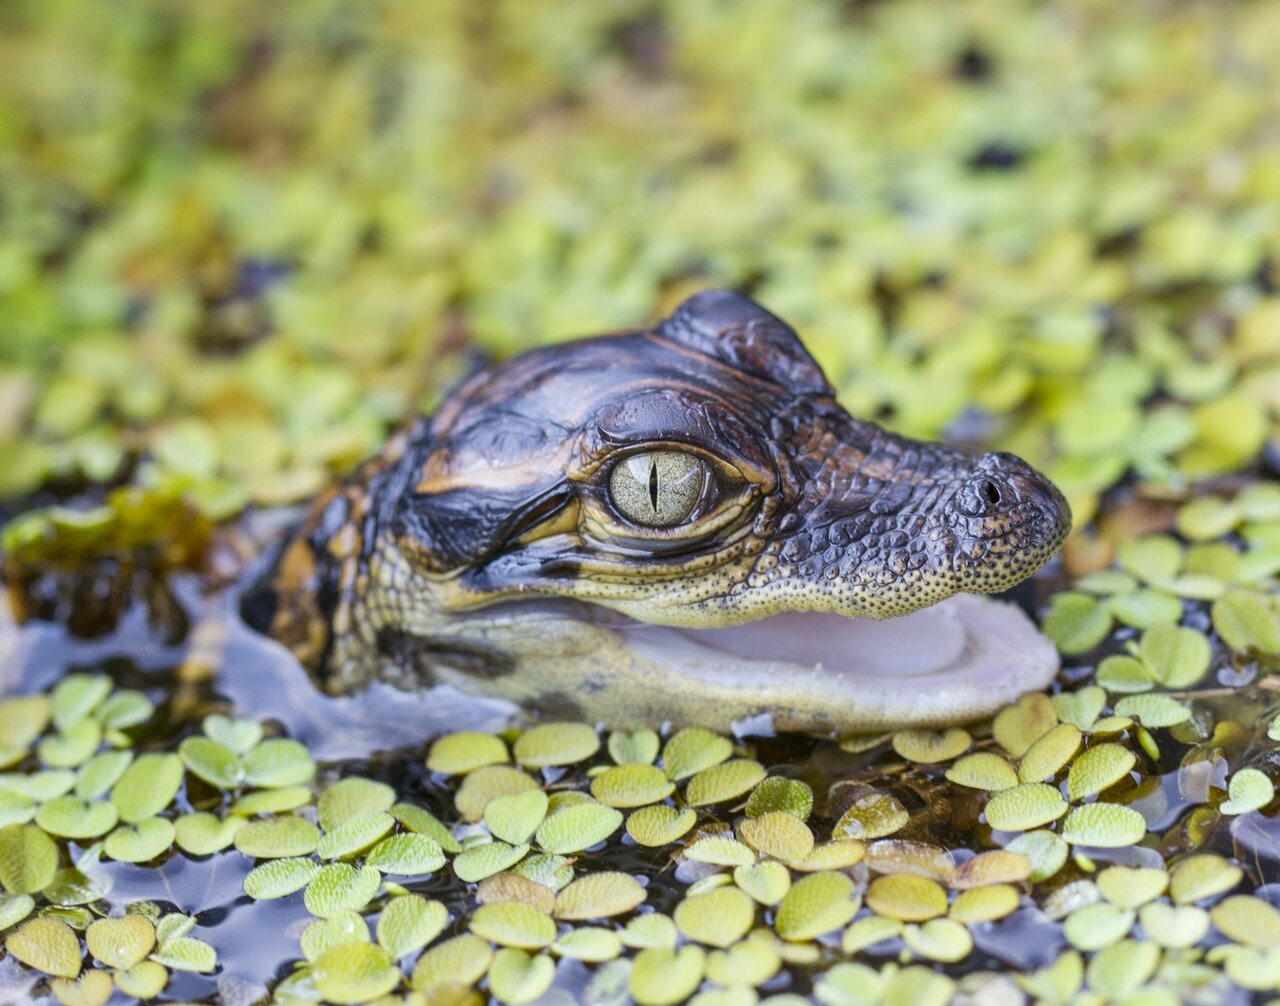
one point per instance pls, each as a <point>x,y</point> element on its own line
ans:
<point>956,661</point>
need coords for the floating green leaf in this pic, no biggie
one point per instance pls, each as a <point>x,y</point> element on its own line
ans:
<point>906,897</point>
<point>278,838</point>
<point>1202,876</point>
<point>631,785</point>
<point>578,827</point>
<point>1154,710</point>
<point>406,855</point>
<point>354,973</point>
<point>1046,757</point>
<point>203,834</point>
<point>778,834</point>
<point>637,747</point>
<point>722,782</point>
<point>351,798</point>
<point>694,750</point>
<point>480,861</point>
<point>408,923</point>
<point>717,918</point>
<point>140,842</point>
<point>931,746</point>
<point>277,763</point>
<point>983,770</point>
<point>767,882</point>
<point>660,825</point>
<point>28,860</point>
<point>556,744</point>
<point>1024,807</point>
<point>215,763</point>
<point>516,977</point>
<point>47,945</point>
<point>76,696</point>
<point>663,977</point>
<point>147,787</point>
<point>1104,825</point>
<point>71,817</point>
<point>1249,789</point>
<point>515,817</point>
<point>338,887</point>
<point>599,896</point>
<point>462,960</point>
<point>418,820</point>
<point>239,736</point>
<point>1099,768</point>
<point>817,904</point>
<point>871,816</point>
<point>1247,620</point>
<point>465,751</point>
<point>121,942</point>
<point>776,793</point>
<point>354,835</point>
<point>279,877</point>
<point>1176,656</point>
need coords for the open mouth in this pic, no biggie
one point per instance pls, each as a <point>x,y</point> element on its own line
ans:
<point>958,660</point>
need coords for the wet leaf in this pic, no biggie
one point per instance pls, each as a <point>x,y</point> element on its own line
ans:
<point>418,820</point>
<point>1153,710</point>
<point>488,783</point>
<point>141,842</point>
<point>1247,620</point>
<point>466,751</point>
<point>203,834</point>
<point>277,763</point>
<point>339,887</point>
<point>406,855</point>
<point>272,801</point>
<point>71,817</point>
<point>985,904</point>
<point>1099,768</point>
<point>93,988</point>
<point>1024,807</point>
<point>931,746</point>
<point>70,887</point>
<point>1174,927</point>
<point>324,934</point>
<point>637,747</point>
<point>939,940</point>
<point>1076,623</point>
<point>352,798</point>
<point>47,945</point>
<point>663,977</point>
<point>983,770</point>
<point>14,908</point>
<point>766,882</point>
<point>354,973</point>
<point>632,785</point>
<point>28,859</point>
<point>1019,726</point>
<point>239,736</point>
<point>353,835</point>
<point>72,746</point>
<point>480,861</point>
<point>995,866</point>
<point>1248,920</point>
<point>76,696</point>
<point>121,942</point>
<point>143,981</point>
<point>1098,925</point>
<point>284,837</point>
<point>1081,707</point>
<point>778,834</point>
<point>726,781</point>
<point>694,750</point>
<point>278,878</point>
<point>1248,789</point>
<point>906,897</point>
<point>578,827</point>
<point>1122,968</point>
<point>215,763</point>
<point>514,924</point>
<point>717,918</point>
<point>817,904</point>
<point>556,744</point>
<point>776,793</point>
<point>462,960</point>
<point>96,776</point>
<point>516,977</point>
<point>1202,876</point>
<point>599,896</point>
<point>651,930</point>
<point>588,943</point>
<point>659,825</point>
<point>147,787</point>
<point>872,816</point>
<point>514,818</point>
<point>22,720</point>
<point>1129,887</point>
<point>1104,825</point>
<point>720,850</point>
<point>1046,757</point>
<point>1176,656</point>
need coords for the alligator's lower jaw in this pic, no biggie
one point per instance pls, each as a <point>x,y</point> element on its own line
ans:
<point>954,662</point>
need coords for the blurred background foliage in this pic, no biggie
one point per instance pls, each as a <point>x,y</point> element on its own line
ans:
<point>239,240</point>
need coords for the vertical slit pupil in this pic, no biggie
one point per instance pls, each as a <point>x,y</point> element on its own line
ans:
<point>653,485</point>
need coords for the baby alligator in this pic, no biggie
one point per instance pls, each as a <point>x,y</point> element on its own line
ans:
<point>582,527</point>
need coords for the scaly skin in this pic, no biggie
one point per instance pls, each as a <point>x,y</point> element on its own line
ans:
<point>429,562</point>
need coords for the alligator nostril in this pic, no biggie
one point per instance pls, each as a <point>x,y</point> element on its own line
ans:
<point>990,492</point>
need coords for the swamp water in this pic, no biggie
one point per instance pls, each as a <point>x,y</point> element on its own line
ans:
<point>1114,837</point>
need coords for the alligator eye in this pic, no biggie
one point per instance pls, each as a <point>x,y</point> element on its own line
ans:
<point>990,492</point>
<point>658,488</point>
